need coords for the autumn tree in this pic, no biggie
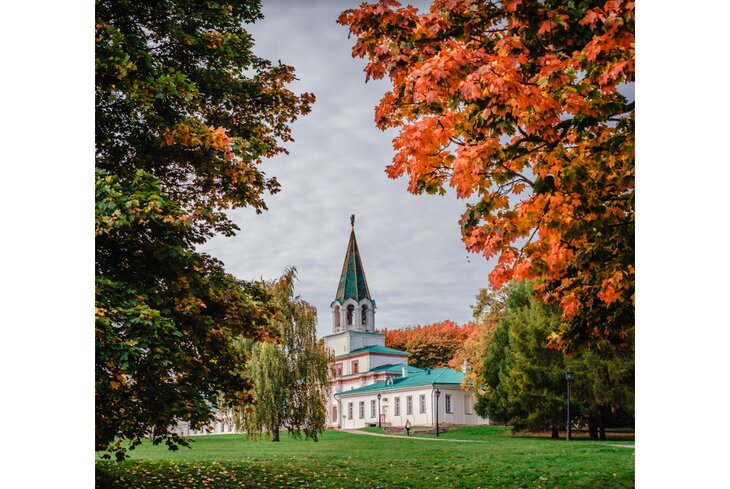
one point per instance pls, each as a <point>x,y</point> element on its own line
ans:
<point>433,345</point>
<point>291,374</point>
<point>185,112</point>
<point>487,312</point>
<point>518,106</point>
<point>524,380</point>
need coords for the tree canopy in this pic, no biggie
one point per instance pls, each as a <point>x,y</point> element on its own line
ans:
<point>432,345</point>
<point>291,374</point>
<point>524,382</point>
<point>517,106</point>
<point>185,112</point>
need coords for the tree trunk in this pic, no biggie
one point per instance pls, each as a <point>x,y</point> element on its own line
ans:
<point>275,434</point>
<point>555,434</point>
<point>592,429</point>
<point>602,421</point>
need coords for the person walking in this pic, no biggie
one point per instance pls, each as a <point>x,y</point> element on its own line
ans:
<point>408,427</point>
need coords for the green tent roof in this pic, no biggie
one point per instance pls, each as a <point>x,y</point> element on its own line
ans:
<point>353,284</point>
<point>373,349</point>
<point>435,376</point>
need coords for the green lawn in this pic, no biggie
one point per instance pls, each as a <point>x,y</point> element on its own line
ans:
<point>343,460</point>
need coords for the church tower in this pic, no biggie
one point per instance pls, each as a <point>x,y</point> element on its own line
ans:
<point>353,308</point>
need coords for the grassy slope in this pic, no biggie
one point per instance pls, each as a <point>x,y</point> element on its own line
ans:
<point>358,461</point>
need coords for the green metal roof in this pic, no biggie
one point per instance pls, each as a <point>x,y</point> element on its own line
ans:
<point>436,376</point>
<point>353,284</point>
<point>397,369</point>
<point>374,349</point>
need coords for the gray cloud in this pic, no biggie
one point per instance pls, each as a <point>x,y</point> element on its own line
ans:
<point>416,265</point>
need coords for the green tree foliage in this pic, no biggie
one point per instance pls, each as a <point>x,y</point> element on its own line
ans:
<point>291,375</point>
<point>165,316</point>
<point>525,383</point>
<point>604,388</point>
<point>184,114</point>
<point>526,379</point>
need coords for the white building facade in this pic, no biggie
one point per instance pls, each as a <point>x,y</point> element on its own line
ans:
<point>372,384</point>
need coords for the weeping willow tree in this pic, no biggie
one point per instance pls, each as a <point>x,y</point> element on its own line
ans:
<point>290,375</point>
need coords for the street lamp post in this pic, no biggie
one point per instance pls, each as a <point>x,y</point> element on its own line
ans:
<point>568,378</point>
<point>379,418</point>
<point>438,393</point>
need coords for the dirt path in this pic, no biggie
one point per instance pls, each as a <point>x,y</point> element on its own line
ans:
<point>367,433</point>
<point>358,432</point>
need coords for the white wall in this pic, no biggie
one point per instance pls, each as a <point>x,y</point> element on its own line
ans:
<point>458,414</point>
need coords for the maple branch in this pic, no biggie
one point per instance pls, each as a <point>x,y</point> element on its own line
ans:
<point>534,231</point>
<point>620,224</point>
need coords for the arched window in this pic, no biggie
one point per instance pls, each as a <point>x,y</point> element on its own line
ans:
<point>350,312</point>
<point>364,315</point>
<point>337,318</point>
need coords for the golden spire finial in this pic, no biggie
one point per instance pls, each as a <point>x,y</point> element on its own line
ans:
<point>352,220</point>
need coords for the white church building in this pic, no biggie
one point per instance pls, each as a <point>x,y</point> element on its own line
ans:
<point>372,384</point>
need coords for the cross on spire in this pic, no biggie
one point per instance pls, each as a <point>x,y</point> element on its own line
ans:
<point>352,220</point>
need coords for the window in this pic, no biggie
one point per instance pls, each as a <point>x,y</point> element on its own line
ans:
<point>349,410</point>
<point>422,403</point>
<point>337,318</point>
<point>409,405</point>
<point>362,410</point>
<point>372,408</point>
<point>334,413</point>
<point>350,312</point>
<point>467,403</point>
<point>355,366</point>
<point>397,406</point>
<point>364,315</point>
<point>448,403</point>
<point>339,369</point>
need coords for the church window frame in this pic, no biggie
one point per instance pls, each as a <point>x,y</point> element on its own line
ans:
<point>397,406</point>
<point>349,410</point>
<point>334,414</point>
<point>467,404</point>
<point>447,403</point>
<point>355,366</point>
<point>364,315</point>
<point>409,405</point>
<point>350,314</point>
<point>422,404</point>
<point>338,320</point>
<point>372,408</point>
<point>361,410</point>
<point>339,369</point>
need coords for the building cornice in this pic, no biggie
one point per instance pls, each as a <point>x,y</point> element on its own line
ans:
<point>353,331</point>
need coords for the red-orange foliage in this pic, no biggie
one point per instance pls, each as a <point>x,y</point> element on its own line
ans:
<point>433,345</point>
<point>516,103</point>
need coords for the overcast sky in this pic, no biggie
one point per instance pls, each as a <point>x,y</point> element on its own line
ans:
<point>417,267</point>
